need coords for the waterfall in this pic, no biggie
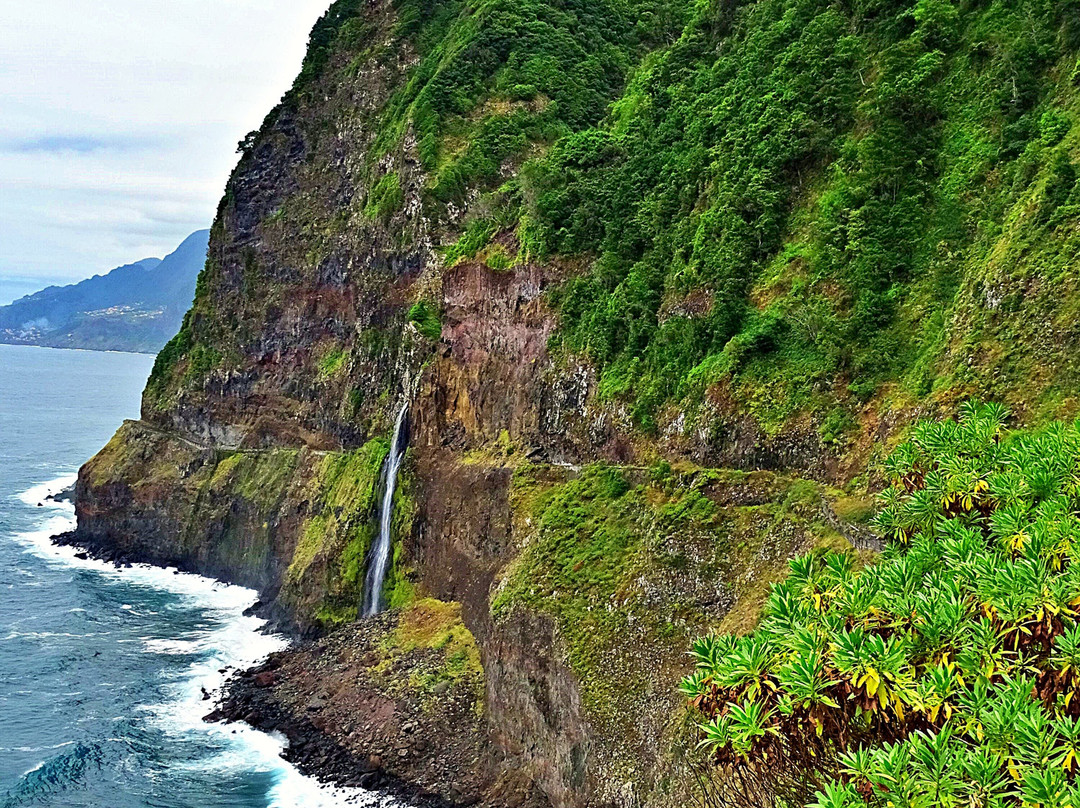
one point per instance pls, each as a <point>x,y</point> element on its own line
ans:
<point>380,551</point>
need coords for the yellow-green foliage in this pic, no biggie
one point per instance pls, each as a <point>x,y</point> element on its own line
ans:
<point>430,625</point>
<point>855,509</point>
<point>310,543</point>
<point>331,362</point>
<point>619,563</point>
<point>259,477</point>
<point>806,200</point>
<point>112,458</point>
<point>348,480</point>
<point>141,458</point>
<point>425,316</point>
<point>343,498</point>
<point>944,675</point>
<point>386,197</point>
<point>501,452</point>
<point>223,471</point>
<point>398,588</point>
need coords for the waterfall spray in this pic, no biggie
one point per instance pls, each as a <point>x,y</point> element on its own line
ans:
<point>380,552</point>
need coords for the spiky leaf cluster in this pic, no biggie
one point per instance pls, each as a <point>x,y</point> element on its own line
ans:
<point>946,673</point>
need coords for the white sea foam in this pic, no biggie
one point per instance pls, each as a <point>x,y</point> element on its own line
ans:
<point>35,748</point>
<point>42,491</point>
<point>232,640</point>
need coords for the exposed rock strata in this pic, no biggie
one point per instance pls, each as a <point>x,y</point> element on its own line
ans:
<point>258,454</point>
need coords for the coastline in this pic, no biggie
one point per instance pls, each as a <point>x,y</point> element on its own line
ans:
<point>73,348</point>
<point>246,639</point>
<point>248,696</point>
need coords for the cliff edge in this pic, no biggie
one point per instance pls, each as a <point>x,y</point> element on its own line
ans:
<point>658,283</point>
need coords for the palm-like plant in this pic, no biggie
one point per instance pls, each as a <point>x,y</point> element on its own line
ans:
<point>748,724</point>
<point>1065,659</point>
<point>747,667</point>
<point>838,795</point>
<point>959,647</point>
<point>1067,752</point>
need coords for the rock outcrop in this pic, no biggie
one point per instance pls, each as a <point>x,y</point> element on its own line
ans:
<point>563,547</point>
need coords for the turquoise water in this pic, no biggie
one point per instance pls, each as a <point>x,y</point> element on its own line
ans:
<point>102,671</point>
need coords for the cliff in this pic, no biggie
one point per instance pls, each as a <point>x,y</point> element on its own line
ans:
<point>659,280</point>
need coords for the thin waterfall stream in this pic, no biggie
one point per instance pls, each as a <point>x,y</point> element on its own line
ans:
<point>379,556</point>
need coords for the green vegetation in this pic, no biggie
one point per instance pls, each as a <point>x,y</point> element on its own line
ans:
<point>310,542</point>
<point>433,629</point>
<point>326,574</point>
<point>425,316</point>
<point>386,197</point>
<point>331,362</point>
<point>587,539</point>
<point>943,675</point>
<point>803,206</point>
<point>801,203</point>
<point>622,566</point>
<point>166,360</point>
<point>259,477</point>
<point>190,355</point>
<point>477,234</point>
<point>792,198</point>
<point>497,76</point>
<point>398,588</point>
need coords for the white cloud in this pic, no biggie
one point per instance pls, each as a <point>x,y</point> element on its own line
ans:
<point>119,121</point>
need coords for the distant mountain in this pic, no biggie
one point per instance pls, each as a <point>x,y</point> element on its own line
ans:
<point>136,307</point>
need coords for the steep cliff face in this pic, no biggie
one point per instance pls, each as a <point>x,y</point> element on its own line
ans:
<point>582,232</point>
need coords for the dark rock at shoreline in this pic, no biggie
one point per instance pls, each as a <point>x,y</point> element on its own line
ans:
<point>67,495</point>
<point>89,550</point>
<point>312,750</point>
<point>342,702</point>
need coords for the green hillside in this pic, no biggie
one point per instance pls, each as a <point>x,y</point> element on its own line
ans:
<point>799,204</point>
<point>663,283</point>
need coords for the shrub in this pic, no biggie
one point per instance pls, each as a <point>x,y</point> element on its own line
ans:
<point>425,317</point>
<point>1053,126</point>
<point>944,675</point>
<point>386,197</point>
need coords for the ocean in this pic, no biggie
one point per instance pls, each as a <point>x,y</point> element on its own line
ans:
<point>103,670</point>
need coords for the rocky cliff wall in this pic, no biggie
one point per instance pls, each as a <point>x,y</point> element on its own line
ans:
<point>578,589</point>
<point>340,281</point>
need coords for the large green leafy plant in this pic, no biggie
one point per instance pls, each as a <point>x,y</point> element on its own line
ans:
<point>943,675</point>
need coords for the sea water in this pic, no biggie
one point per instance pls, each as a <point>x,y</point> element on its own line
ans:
<point>105,672</point>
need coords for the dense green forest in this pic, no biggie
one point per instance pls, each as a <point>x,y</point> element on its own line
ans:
<point>790,197</point>
<point>788,206</point>
<point>799,200</point>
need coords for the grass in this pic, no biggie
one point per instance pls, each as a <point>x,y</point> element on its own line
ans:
<point>332,360</point>
<point>311,542</point>
<point>429,629</point>
<point>620,558</point>
<point>425,316</point>
<point>259,477</point>
<point>342,499</point>
<point>386,197</point>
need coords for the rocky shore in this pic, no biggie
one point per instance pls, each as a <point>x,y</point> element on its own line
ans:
<point>252,697</point>
<point>101,550</point>
<point>392,704</point>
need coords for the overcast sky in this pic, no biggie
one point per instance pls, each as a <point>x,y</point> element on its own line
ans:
<point>119,122</point>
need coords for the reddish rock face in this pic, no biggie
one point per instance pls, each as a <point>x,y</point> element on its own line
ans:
<point>300,345</point>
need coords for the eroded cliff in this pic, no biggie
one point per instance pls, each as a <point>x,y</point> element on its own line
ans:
<point>570,512</point>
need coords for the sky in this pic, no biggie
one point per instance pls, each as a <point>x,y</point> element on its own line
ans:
<point>119,123</point>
